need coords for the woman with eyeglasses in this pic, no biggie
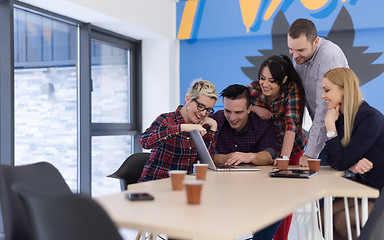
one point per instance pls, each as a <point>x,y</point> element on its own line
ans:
<point>168,136</point>
<point>279,95</point>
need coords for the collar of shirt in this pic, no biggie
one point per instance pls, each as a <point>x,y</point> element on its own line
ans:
<point>317,50</point>
<point>243,131</point>
<point>179,117</point>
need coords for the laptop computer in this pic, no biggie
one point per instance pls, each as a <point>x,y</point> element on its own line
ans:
<point>293,173</point>
<point>205,157</point>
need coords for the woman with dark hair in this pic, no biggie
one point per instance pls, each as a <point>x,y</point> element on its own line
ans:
<point>279,95</point>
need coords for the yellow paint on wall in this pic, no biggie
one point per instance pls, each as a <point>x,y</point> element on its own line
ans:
<point>314,4</point>
<point>249,10</point>
<point>187,19</point>
<point>271,9</point>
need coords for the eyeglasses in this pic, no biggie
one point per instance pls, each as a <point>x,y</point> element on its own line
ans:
<point>201,107</point>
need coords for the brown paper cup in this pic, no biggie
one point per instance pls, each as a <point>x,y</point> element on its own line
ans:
<point>193,190</point>
<point>314,164</point>
<point>177,178</point>
<point>201,170</point>
<point>282,164</point>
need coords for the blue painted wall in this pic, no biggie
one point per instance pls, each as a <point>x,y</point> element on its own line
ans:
<point>219,44</point>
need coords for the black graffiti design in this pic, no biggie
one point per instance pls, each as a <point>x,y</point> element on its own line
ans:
<point>342,33</point>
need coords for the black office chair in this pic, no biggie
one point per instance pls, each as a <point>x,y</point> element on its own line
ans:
<point>66,216</point>
<point>130,171</point>
<point>41,176</point>
<point>374,227</point>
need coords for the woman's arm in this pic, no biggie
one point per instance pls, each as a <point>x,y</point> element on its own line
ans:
<point>159,132</point>
<point>288,141</point>
<point>210,138</point>
<point>292,119</point>
<point>262,112</point>
<point>362,166</point>
<point>257,103</point>
<point>365,132</point>
<point>330,118</point>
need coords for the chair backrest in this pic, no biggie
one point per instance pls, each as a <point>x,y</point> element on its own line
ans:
<point>41,176</point>
<point>66,216</point>
<point>374,227</point>
<point>130,171</point>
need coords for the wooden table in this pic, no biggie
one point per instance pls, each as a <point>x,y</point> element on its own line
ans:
<point>232,205</point>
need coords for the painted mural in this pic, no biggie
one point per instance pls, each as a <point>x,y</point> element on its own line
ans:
<point>225,41</point>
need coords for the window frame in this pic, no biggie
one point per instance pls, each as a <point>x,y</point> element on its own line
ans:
<point>86,129</point>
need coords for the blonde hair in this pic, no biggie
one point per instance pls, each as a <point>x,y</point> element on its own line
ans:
<point>347,80</point>
<point>202,87</point>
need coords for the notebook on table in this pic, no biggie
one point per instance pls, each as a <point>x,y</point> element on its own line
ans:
<point>205,157</point>
<point>293,173</point>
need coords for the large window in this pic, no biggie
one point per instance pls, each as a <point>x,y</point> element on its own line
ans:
<point>74,96</point>
<point>45,86</point>
<point>111,90</point>
<point>111,110</point>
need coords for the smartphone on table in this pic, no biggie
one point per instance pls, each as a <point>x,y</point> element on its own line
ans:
<point>139,196</point>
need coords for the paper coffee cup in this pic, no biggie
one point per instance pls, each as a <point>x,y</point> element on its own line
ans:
<point>201,170</point>
<point>282,163</point>
<point>314,164</point>
<point>177,178</point>
<point>193,189</point>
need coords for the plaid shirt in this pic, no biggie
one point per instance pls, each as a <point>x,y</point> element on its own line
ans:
<point>286,112</point>
<point>171,149</point>
<point>258,135</point>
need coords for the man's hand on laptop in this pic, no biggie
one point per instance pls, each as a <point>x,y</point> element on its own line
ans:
<point>236,158</point>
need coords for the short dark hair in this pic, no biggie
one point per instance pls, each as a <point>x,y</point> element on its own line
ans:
<point>237,91</point>
<point>303,26</point>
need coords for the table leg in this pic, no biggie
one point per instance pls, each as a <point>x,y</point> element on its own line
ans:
<point>347,219</point>
<point>328,218</point>
<point>364,211</point>
<point>357,217</point>
<point>319,220</point>
<point>143,235</point>
<point>315,225</point>
<point>138,236</point>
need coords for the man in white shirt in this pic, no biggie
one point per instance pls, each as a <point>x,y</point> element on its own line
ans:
<point>314,56</point>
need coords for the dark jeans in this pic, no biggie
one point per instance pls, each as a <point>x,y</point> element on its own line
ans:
<point>268,232</point>
<point>323,156</point>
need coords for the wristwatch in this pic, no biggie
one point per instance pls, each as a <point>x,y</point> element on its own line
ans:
<point>331,134</point>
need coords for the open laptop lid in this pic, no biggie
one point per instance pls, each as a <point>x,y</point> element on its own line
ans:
<point>202,150</point>
<point>205,157</point>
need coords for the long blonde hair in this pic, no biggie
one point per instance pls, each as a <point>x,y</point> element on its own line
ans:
<point>347,80</point>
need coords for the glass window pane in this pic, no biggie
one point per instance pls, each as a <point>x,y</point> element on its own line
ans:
<point>110,84</point>
<point>108,153</point>
<point>45,95</point>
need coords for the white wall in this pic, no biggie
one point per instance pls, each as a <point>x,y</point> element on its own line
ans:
<point>161,86</point>
<point>153,22</point>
